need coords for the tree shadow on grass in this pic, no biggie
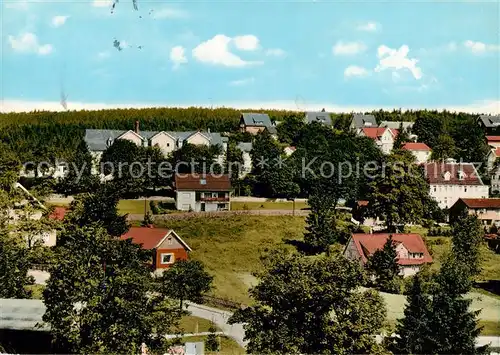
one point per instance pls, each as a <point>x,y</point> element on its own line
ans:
<point>301,246</point>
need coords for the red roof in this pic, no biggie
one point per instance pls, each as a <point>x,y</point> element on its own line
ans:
<point>150,238</point>
<point>58,213</point>
<point>376,132</point>
<point>202,182</point>
<point>493,138</point>
<point>367,244</point>
<point>362,203</point>
<point>436,171</point>
<point>481,202</point>
<point>416,146</point>
<point>496,151</point>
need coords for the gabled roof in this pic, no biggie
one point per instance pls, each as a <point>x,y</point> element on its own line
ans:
<point>360,120</point>
<point>377,132</point>
<point>367,244</point>
<point>493,139</point>
<point>490,121</point>
<point>151,238</point>
<point>416,146</point>
<point>134,133</point>
<point>396,124</point>
<point>202,182</point>
<point>256,119</point>
<point>321,117</point>
<point>481,202</point>
<point>495,152</point>
<point>435,172</point>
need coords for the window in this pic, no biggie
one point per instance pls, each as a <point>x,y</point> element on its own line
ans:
<point>167,258</point>
<point>170,241</point>
<point>214,194</point>
<point>203,182</point>
<point>465,189</point>
<point>168,144</point>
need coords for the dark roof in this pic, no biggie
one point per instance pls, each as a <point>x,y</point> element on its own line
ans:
<point>202,182</point>
<point>321,117</point>
<point>490,121</point>
<point>396,124</point>
<point>245,147</point>
<point>150,238</point>
<point>435,172</point>
<point>367,244</point>
<point>360,121</point>
<point>481,202</point>
<point>257,119</point>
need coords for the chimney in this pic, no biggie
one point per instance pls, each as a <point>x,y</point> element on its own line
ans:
<point>323,110</point>
<point>136,130</point>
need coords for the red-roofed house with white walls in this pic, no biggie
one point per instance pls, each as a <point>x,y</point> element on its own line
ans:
<point>411,251</point>
<point>420,151</point>
<point>450,181</point>
<point>383,137</point>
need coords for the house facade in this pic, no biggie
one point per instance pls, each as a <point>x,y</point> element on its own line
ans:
<point>420,151</point>
<point>411,251</point>
<point>202,192</point>
<point>245,148</point>
<point>487,210</point>
<point>166,245</point>
<point>450,181</point>
<point>98,140</point>
<point>254,123</point>
<point>384,137</point>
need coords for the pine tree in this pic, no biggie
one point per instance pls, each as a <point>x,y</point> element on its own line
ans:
<point>413,329</point>
<point>401,138</point>
<point>211,343</point>
<point>384,266</point>
<point>320,229</point>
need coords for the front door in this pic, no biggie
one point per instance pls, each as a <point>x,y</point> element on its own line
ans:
<point>202,207</point>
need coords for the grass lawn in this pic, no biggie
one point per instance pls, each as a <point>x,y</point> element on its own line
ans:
<point>227,345</point>
<point>230,247</point>
<point>132,206</point>
<point>268,205</point>
<point>192,324</point>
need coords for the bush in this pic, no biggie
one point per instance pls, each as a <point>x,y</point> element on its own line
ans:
<point>153,206</point>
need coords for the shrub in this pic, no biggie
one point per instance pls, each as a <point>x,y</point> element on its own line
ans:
<point>153,205</point>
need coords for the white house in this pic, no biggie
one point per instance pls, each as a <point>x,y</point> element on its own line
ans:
<point>384,137</point>
<point>411,251</point>
<point>450,181</point>
<point>202,192</point>
<point>245,148</point>
<point>98,140</point>
<point>491,158</point>
<point>420,151</point>
<point>289,150</point>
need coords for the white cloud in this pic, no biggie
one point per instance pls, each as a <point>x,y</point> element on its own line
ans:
<point>369,27</point>
<point>102,3</point>
<point>58,21</point>
<point>275,52</point>
<point>242,82</point>
<point>216,51</point>
<point>9,105</point>
<point>348,48</point>
<point>168,12</point>
<point>355,71</point>
<point>246,42</point>
<point>178,56</point>
<point>397,59</point>
<point>480,47</point>
<point>28,43</point>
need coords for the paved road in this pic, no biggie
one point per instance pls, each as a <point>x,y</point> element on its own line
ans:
<point>220,318</point>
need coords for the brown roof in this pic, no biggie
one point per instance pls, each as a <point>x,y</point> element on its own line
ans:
<point>416,146</point>
<point>481,202</point>
<point>202,182</point>
<point>367,244</point>
<point>435,172</point>
<point>58,213</point>
<point>150,238</point>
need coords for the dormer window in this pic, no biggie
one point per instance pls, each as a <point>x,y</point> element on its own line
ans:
<point>447,176</point>
<point>109,142</point>
<point>203,182</point>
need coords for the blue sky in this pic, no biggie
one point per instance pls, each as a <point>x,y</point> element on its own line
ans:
<point>345,56</point>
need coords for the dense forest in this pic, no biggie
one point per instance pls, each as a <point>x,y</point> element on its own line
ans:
<point>43,135</point>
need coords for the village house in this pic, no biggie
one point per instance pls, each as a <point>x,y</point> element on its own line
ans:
<point>490,124</point>
<point>450,181</point>
<point>254,123</point>
<point>360,121</point>
<point>98,140</point>
<point>384,137</point>
<point>492,157</point>
<point>202,192</point>
<point>487,210</point>
<point>166,245</point>
<point>420,151</point>
<point>320,117</point>
<point>289,150</point>
<point>493,141</point>
<point>411,251</point>
<point>245,148</point>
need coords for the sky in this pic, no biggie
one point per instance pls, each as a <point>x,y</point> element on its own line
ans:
<point>343,56</point>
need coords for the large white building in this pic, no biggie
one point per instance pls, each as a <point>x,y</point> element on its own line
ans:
<point>450,181</point>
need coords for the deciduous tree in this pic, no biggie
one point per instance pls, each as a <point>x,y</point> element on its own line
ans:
<point>384,267</point>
